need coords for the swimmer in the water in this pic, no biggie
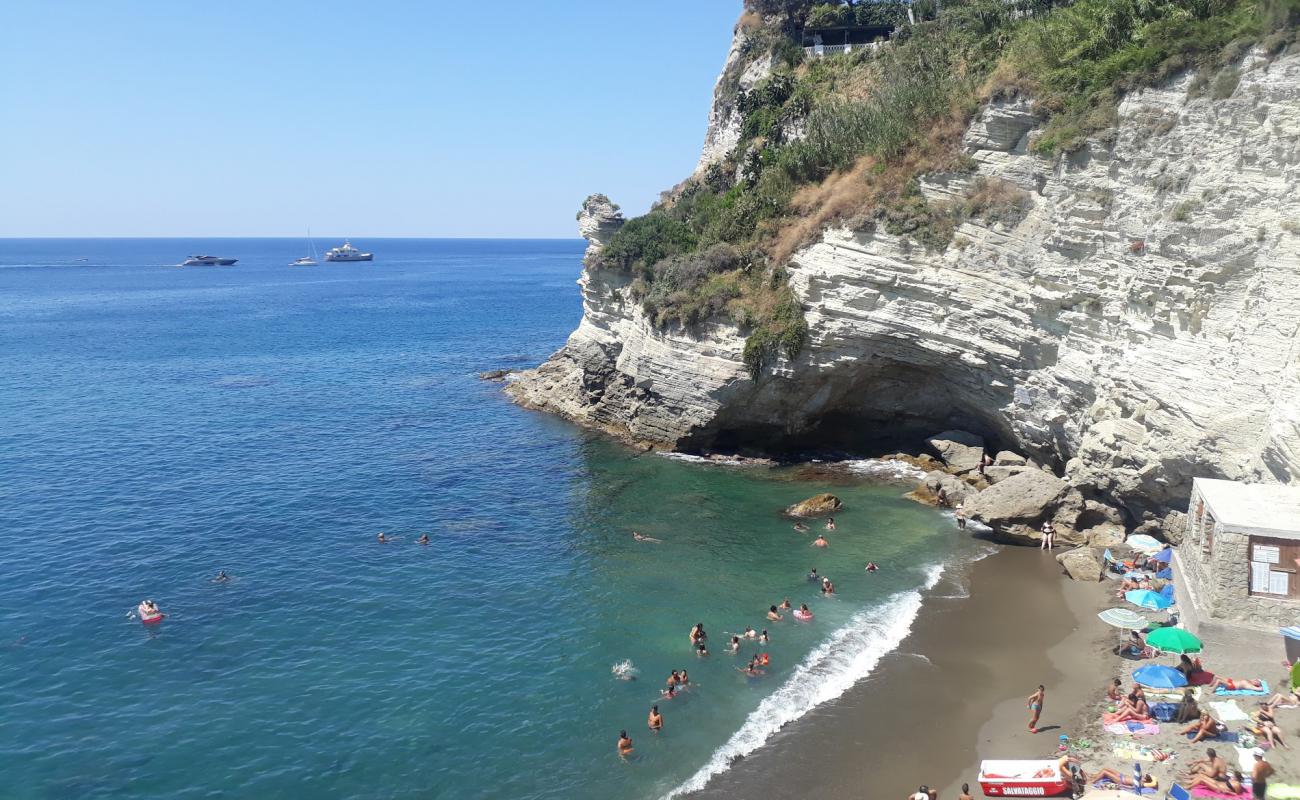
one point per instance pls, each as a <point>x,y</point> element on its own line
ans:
<point>624,671</point>
<point>820,541</point>
<point>656,720</point>
<point>734,647</point>
<point>382,539</point>
<point>803,609</point>
<point>749,632</point>
<point>624,743</point>
<point>686,679</point>
<point>871,566</point>
<point>802,528</point>
<point>812,576</point>
<point>222,577</point>
<point>752,669</point>
<point>827,587</point>
<point>642,538</point>
<point>762,637</point>
<point>773,615</point>
<point>673,680</point>
<point>424,538</point>
<point>700,649</point>
<point>697,633</point>
<point>830,523</point>
<point>670,692</point>
<point>785,605</point>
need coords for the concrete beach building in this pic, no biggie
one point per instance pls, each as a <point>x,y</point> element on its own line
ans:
<point>1239,561</point>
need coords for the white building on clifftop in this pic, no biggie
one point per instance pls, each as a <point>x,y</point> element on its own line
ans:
<point>1239,561</point>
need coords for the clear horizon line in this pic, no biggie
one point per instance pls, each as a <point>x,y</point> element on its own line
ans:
<point>300,236</point>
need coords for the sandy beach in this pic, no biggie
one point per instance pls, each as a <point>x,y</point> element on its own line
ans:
<point>955,693</point>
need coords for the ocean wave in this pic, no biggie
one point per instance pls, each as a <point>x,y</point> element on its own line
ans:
<point>694,459</point>
<point>850,654</point>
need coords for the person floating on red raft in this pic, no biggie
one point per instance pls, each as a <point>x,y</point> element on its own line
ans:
<point>149,612</point>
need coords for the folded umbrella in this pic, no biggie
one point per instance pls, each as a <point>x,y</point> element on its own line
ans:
<point>1174,640</point>
<point>1158,676</point>
<point>1148,599</point>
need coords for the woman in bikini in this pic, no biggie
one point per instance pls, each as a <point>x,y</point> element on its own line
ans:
<point>1134,710</point>
<point>1204,728</point>
<point>1266,726</point>
<point>1228,784</point>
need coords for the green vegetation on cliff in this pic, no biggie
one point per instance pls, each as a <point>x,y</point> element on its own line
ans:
<point>844,138</point>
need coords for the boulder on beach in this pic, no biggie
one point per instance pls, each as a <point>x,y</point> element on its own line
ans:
<point>1081,564</point>
<point>961,451</point>
<point>955,490</point>
<point>995,474</point>
<point>1006,458</point>
<point>820,505</point>
<point>1016,507</point>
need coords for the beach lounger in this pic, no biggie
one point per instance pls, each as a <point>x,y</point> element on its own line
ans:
<point>1177,792</point>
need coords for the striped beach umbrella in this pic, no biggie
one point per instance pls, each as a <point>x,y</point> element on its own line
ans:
<point>1123,618</point>
<point>1144,544</point>
<point>1174,640</point>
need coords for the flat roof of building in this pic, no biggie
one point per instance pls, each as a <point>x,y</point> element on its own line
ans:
<point>1266,508</point>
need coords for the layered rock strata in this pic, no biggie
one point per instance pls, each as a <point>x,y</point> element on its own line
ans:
<point>1134,325</point>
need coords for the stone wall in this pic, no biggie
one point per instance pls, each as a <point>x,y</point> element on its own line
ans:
<point>1221,584</point>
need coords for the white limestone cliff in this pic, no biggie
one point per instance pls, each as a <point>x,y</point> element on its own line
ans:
<point>1137,327</point>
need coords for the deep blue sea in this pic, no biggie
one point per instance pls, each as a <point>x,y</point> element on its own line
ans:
<point>158,424</point>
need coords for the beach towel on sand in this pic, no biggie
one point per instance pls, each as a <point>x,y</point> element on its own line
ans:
<point>1229,711</point>
<point>1105,784</point>
<point>1243,692</point>
<point>1108,718</point>
<point>1223,736</point>
<point>1129,752</point>
<point>1203,791</point>
<point>1283,791</point>
<point>1133,729</point>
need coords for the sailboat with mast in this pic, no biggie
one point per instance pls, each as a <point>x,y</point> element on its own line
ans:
<point>307,261</point>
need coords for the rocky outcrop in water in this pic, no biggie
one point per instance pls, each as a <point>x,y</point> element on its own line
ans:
<point>1134,325</point>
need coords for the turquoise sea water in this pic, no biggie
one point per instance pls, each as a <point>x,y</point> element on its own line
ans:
<point>161,424</point>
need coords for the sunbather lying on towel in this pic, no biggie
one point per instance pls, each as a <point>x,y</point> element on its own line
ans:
<point>1228,784</point>
<point>1265,725</point>
<point>1111,776</point>
<point>1205,728</point>
<point>1289,700</point>
<point>1237,684</point>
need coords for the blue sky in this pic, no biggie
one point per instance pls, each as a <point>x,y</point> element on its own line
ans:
<point>433,118</point>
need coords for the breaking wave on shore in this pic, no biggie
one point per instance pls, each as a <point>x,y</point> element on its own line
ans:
<point>847,656</point>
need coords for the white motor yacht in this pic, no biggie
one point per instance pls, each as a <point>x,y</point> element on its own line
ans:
<point>208,261</point>
<point>347,253</point>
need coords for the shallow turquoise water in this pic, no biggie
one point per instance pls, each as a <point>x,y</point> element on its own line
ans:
<point>161,424</point>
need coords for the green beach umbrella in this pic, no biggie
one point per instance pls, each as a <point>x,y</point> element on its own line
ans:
<point>1174,640</point>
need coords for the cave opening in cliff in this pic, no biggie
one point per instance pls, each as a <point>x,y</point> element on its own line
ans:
<point>887,407</point>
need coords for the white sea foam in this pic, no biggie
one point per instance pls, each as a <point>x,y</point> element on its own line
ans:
<point>878,468</point>
<point>850,654</point>
<point>694,459</point>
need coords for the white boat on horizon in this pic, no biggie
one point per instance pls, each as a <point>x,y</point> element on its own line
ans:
<point>307,261</point>
<point>208,261</point>
<point>347,253</point>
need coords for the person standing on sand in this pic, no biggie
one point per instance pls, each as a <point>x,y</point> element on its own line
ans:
<point>1036,707</point>
<point>656,720</point>
<point>965,792</point>
<point>1259,774</point>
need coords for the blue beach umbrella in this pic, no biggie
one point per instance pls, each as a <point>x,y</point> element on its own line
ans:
<point>1144,544</point>
<point>1158,676</point>
<point>1148,599</point>
<point>1164,556</point>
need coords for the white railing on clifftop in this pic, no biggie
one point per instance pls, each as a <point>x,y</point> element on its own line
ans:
<point>823,50</point>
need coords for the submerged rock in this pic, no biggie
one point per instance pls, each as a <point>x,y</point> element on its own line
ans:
<point>819,505</point>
